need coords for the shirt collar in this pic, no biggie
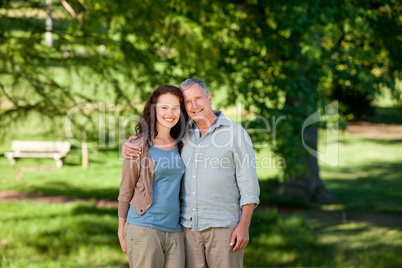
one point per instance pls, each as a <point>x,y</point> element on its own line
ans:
<point>221,121</point>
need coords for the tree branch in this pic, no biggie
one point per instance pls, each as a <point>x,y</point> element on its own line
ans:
<point>71,11</point>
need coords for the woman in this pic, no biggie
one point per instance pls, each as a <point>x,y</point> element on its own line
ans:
<point>149,208</point>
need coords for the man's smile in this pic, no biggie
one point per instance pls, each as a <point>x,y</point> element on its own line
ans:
<point>195,112</point>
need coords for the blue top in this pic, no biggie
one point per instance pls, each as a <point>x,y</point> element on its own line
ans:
<point>220,175</point>
<point>164,213</point>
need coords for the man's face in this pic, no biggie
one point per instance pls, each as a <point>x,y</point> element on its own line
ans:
<point>197,104</point>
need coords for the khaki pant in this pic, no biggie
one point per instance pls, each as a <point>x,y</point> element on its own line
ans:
<point>148,247</point>
<point>210,248</point>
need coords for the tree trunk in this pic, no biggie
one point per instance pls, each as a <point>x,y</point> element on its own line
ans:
<point>49,24</point>
<point>309,188</point>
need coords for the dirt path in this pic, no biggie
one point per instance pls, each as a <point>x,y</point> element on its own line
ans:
<point>12,196</point>
<point>328,216</point>
<point>375,131</point>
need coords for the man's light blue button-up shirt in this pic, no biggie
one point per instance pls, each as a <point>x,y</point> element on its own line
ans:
<point>220,175</point>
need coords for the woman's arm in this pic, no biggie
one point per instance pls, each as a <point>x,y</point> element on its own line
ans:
<point>129,178</point>
<point>120,233</point>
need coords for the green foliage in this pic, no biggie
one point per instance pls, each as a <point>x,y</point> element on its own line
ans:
<point>277,58</point>
<point>286,58</point>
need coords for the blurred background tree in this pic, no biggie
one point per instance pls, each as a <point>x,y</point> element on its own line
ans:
<point>279,59</point>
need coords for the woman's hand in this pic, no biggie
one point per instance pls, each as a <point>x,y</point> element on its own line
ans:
<point>122,241</point>
<point>130,151</point>
<point>120,233</point>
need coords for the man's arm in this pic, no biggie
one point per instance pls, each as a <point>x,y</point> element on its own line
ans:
<point>130,151</point>
<point>240,235</point>
<point>247,181</point>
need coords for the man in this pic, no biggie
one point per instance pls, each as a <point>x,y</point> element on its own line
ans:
<point>220,186</point>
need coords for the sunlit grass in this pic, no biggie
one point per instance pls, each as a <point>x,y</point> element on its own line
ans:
<point>41,175</point>
<point>71,234</point>
<point>368,174</point>
<point>293,241</point>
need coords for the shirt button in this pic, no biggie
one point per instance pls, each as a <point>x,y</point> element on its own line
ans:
<point>193,192</point>
<point>193,209</point>
<point>193,176</point>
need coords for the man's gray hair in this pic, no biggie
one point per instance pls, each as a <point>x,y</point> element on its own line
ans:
<point>189,82</point>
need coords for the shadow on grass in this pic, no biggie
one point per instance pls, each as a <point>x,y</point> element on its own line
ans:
<point>269,198</point>
<point>386,115</point>
<point>291,241</point>
<point>85,236</point>
<point>352,140</point>
<point>376,187</point>
<point>82,230</point>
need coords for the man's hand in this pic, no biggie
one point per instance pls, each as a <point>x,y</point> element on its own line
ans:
<point>240,237</point>
<point>130,151</point>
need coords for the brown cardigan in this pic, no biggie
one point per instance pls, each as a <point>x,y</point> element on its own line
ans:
<point>136,181</point>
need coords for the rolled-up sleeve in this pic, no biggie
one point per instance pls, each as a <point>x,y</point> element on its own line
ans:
<point>246,173</point>
<point>129,178</point>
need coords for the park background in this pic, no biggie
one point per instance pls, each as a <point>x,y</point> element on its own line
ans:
<point>272,58</point>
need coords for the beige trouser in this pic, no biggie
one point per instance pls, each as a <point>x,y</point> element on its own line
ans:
<point>148,247</point>
<point>210,248</point>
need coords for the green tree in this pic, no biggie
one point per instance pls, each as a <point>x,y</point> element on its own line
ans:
<point>290,58</point>
<point>279,58</point>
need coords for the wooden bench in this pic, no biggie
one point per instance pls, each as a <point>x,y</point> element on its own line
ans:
<point>39,149</point>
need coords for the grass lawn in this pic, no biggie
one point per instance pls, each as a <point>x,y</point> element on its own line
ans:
<point>58,235</point>
<point>368,176</point>
<point>367,183</point>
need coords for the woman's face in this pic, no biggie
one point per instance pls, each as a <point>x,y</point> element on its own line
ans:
<point>167,111</point>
